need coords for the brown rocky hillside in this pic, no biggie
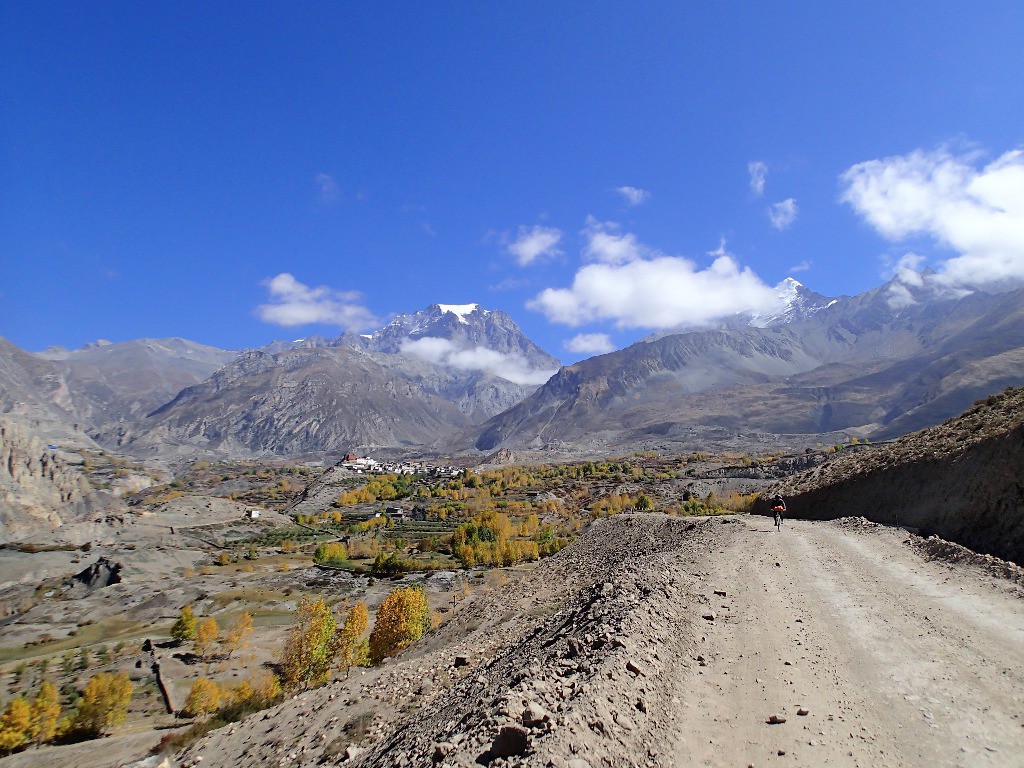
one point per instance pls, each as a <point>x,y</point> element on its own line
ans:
<point>962,480</point>
<point>40,491</point>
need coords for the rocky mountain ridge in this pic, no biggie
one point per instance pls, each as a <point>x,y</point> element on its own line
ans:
<point>77,396</point>
<point>872,363</point>
<point>899,357</point>
<point>421,377</point>
<point>321,400</point>
<point>418,380</point>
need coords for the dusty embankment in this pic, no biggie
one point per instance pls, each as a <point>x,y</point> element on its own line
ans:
<point>661,642</point>
<point>962,480</point>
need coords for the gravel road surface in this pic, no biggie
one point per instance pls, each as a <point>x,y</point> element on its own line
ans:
<point>896,660</point>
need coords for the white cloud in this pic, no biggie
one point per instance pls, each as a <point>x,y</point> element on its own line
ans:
<point>975,210</point>
<point>907,269</point>
<point>783,214</point>
<point>607,245</point>
<point>634,195</point>
<point>803,266</point>
<point>293,303</point>
<point>328,188</point>
<point>590,344</point>
<point>511,366</point>
<point>758,171</point>
<point>656,291</point>
<point>534,242</point>
<point>899,296</point>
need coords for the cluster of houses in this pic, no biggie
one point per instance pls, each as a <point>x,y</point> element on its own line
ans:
<point>366,465</point>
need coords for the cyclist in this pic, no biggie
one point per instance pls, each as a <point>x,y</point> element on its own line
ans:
<point>778,507</point>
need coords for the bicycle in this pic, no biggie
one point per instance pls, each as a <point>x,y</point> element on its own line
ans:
<point>778,517</point>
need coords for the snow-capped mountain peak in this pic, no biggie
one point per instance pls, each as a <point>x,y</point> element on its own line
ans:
<point>796,302</point>
<point>463,336</point>
<point>789,288</point>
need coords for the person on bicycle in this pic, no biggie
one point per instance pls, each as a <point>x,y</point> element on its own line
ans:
<point>778,507</point>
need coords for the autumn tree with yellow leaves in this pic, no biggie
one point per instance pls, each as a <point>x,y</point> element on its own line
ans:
<point>351,647</point>
<point>237,634</point>
<point>103,704</point>
<point>185,627</point>
<point>207,633</point>
<point>14,725</point>
<point>402,619</point>
<point>44,713</point>
<point>203,699</point>
<point>310,647</point>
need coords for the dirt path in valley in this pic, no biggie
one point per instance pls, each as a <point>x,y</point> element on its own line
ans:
<point>898,661</point>
<point>668,643</point>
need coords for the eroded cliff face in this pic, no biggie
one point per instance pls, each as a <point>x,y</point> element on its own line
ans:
<point>962,480</point>
<point>39,490</point>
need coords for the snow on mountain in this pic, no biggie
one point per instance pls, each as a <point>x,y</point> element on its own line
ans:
<point>796,303</point>
<point>469,337</point>
<point>461,310</point>
<point>461,336</point>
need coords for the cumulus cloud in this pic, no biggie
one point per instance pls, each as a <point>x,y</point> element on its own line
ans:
<point>590,344</point>
<point>511,366</point>
<point>327,188</point>
<point>294,303</point>
<point>974,209</point>
<point>783,214</point>
<point>758,171</point>
<point>633,195</point>
<point>606,244</point>
<point>652,290</point>
<point>534,242</point>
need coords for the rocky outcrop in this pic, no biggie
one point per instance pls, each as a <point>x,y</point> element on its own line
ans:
<point>39,490</point>
<point>102,573</point>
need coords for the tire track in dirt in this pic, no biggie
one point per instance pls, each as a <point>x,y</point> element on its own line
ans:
<point>894,665</point>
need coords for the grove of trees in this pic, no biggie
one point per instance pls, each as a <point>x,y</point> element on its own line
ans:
<point>316,640</point>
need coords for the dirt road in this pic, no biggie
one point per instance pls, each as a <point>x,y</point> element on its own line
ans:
<point>669,643</point>
<point>896,660</point>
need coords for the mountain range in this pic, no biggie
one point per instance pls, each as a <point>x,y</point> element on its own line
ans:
<point>902,356</point>
<point>894,359</point>
<point>420,378</point>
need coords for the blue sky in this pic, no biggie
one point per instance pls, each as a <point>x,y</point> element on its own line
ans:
<point>596,170</point>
